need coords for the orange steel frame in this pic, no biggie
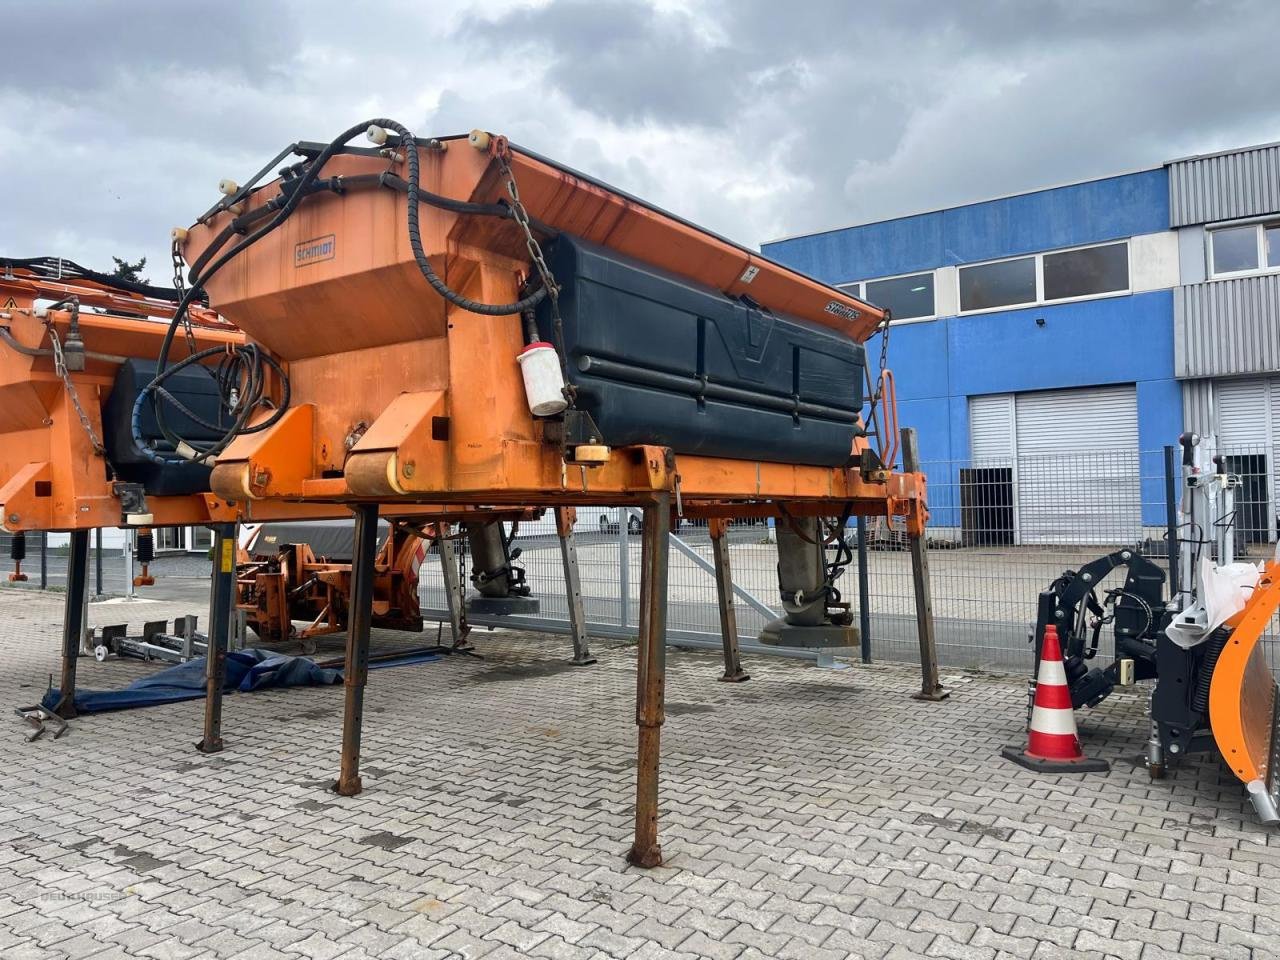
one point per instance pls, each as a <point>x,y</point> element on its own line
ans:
<point>405,403</point>
<point>1242,694</point>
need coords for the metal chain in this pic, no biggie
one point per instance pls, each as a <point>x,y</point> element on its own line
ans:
<point>521,216</point>
<point>60,367</point>
<point>535,251</point>
<point>180,285</point>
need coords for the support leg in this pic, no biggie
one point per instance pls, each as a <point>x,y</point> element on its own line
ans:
<point>220,597</point>
<point>565,517</point>
<point>733,672</point>
<point>651,678</point>
<point>930,685</point>
<point>356,670</point>
<point>453,595</point>
<point>73,621</point>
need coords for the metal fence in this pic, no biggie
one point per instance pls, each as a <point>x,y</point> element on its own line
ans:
<point>1000,531</point>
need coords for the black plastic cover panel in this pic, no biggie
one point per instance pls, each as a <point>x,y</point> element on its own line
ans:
<point>657,359</point>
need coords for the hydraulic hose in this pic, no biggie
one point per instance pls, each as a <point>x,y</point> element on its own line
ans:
<point>245,370</point>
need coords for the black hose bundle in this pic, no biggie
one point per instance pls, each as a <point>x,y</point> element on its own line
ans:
<point>241,377</point>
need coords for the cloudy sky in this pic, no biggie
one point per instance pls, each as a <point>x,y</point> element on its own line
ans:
<point>758,118</point>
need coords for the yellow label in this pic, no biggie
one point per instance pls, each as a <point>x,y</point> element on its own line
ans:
<point>228,555</point>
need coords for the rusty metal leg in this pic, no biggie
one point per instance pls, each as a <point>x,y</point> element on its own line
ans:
<point>930,684</point>
<point>224,577</point>
<point>565,517</point>
<point>73,621</point>
<point>454,599</point>
<point>356,670</point>
<point>733,672</point>
<point>651,669</point>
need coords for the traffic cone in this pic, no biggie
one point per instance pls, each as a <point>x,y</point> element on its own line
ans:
<point>1053,745</point>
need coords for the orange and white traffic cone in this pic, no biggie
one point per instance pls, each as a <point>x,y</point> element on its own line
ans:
<point>1053,745</point>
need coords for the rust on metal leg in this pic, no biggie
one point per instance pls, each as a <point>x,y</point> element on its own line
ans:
<point>930,683</point>
<point>73,621</point>
<point>651,678</point>
<point>357,665</point>
<point>223,590</point>
<point>733,672</point>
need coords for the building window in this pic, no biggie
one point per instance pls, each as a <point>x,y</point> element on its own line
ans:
<point>1088,272</point>
<point>1247,248</point>
<point>1006,283</point>
<point>906,298</point>
<point>1098,271</point>
<point>171,538</point>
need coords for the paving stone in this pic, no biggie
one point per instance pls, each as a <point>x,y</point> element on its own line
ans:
<point>813,816</point>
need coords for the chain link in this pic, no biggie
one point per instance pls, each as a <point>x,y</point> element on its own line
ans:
<point>180,285</point>
<point>60,367</point>
<point>521,216</point>
<point>535,250</point>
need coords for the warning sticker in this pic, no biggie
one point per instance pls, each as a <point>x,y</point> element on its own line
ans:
<point>228,556</point>
<point>10,304</point>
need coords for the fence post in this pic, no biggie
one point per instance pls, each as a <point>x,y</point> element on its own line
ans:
<point>1171,515</point>
<point>97,561</point>
<point>864,592</point>
<point>44,560</point>
<point>624,566</point>
<point>129,538</point>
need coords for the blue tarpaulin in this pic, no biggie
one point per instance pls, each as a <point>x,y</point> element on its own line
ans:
<point>247,670</point>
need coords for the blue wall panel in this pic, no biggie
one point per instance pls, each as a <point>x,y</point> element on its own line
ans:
<point>1112,340</point>
<point>1159,423</point>
<point>1083,213</point>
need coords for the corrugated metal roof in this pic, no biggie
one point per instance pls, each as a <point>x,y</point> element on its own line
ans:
<point>1225,186</point>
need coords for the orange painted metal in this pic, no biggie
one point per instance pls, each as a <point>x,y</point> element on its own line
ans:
<point>1242,694</point>
<point>410,399</point>
<point>51,477</point>
<point>296,584</point>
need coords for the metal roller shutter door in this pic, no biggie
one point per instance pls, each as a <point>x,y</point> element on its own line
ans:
<point>1078,476</point>
<point>991,429</point>
<point>1247,423</point>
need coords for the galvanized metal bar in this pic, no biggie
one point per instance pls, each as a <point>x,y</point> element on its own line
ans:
<point>733,672</point>
<point>930,684</point>
<point>698,561</point>
<point>864,593</point>
<point>97,562</point>
<point>356,668</point>
<point>573,587</point>
<point>73,619</point>
<point>130,548</point>
<point>453,590</point>
<point>220,599</point>
<point>624,569</point>
<point>691,639</point>
<point>651,666</point>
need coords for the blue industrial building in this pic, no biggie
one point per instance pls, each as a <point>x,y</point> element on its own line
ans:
<point>1067,322</point>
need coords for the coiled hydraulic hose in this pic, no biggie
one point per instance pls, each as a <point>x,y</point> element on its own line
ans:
<point>244,371</point>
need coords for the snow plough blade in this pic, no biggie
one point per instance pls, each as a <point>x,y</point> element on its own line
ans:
<point>1244,705</point>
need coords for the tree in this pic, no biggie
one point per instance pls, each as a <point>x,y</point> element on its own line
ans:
<point>129,271</point>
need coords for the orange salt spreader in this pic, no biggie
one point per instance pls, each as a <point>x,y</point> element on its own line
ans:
<point>461,322</point>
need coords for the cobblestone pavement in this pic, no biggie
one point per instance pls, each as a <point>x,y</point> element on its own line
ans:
<point>807,814</point>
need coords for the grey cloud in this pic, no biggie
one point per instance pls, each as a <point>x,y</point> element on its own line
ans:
<point>755,117</point>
